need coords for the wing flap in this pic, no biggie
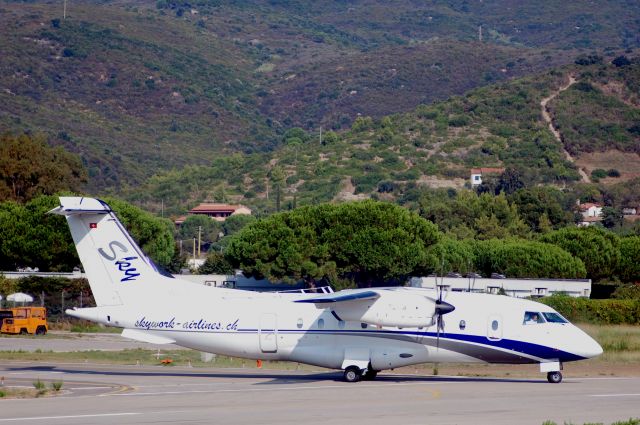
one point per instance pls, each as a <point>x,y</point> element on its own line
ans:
<point>341,296</point>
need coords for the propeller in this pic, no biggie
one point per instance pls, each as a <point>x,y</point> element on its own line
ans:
<point>441,308</point>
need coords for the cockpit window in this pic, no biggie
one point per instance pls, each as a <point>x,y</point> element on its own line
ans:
<point>532,317</point>
<point>554,318</point>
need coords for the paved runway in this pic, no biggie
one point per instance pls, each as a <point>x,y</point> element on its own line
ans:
<point>61,341</point>
<point>146,395</point>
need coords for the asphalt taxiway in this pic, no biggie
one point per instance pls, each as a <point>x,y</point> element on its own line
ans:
<point>94,394</point>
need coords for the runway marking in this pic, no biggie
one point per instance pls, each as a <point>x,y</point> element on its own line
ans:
<point>89,388</point>
<point>271,388</point>
<point>616,395</point>
<point>47,418</point>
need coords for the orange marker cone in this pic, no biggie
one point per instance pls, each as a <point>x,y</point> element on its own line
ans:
<point>259,364</point>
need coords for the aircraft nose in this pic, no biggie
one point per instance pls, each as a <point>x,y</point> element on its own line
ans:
<point>590,347</point>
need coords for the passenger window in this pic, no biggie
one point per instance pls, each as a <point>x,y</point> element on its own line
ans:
<point>494,325</point>
<point>320,323</point>
<point>532,318</point>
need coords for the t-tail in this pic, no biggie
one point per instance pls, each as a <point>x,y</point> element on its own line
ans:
<point>112,261</point>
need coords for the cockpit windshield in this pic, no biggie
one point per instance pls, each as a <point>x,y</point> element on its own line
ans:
<point>532,317</point>
<point>554,318</point>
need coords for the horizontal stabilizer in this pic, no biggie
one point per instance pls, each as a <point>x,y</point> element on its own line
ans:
<point>146,337</point>
<point>341,297</point>
<point>76,205</point>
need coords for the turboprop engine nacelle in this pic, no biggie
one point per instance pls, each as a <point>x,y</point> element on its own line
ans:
<point>390,309</point>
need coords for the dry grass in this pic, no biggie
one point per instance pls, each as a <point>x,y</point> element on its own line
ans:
<point>627,163</point>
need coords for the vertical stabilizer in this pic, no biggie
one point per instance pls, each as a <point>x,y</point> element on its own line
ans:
<point>111,259</point>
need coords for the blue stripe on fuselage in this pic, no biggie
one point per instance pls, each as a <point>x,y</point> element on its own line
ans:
<point>515,346</point>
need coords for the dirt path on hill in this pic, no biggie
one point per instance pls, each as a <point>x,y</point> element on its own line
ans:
<point>546,116</point>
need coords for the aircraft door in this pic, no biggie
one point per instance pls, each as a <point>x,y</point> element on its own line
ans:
<point>494,327</point>
<point>268,333</point>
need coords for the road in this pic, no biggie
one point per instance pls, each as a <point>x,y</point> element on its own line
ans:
<point>144,395</point>
<point>546,116</point>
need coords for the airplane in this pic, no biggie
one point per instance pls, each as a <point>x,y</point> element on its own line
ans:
<point>358,331</point>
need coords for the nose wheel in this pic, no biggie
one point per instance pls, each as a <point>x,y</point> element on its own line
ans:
<point>554,377</point>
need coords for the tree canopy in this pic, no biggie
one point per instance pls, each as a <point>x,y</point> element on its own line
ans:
<point>526,259</point>
<point>466,215</point>
<point>597,248</point>
<point>29,167</point>
<point>629,265</point>
<point>366,242</point>
<point>29,237</point>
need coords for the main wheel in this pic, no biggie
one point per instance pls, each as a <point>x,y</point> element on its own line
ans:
<point>554,377</point>
<point>352,374</point>
<point>23,331</point>
<point>41,330</point>
<point>369,375</point>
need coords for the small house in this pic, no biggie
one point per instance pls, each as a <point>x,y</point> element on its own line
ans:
<point>477,173</point>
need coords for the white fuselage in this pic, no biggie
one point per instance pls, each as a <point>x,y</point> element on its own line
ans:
<point>482,328</point>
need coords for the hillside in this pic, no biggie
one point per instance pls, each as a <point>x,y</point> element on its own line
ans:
<point>140,87</point>
<point>433,146</point>
<point>122,92</point>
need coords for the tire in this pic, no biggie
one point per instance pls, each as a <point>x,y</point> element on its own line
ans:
<point>41,330</point>
<point>23,331</point>
<point>352,374</point>
<point>554,377</point>
<point>369,375</point>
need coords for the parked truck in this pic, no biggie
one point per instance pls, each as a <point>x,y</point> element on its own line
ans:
<point>24,320</point>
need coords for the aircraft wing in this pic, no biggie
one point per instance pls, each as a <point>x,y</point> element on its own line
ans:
<point>341,296</point>
<point>377,307</point>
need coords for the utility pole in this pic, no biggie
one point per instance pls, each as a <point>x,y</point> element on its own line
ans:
<point>194,252</point>
<point>64,10</point>
<point>480,33</point>
<point>199,240</point>
<point>321,135</point>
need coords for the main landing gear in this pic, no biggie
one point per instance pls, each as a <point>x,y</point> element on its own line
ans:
<point>554,377</point>
<point>355,374</point>
<point>352,374</point>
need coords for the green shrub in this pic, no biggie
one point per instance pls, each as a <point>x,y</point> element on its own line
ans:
<point>627,292</point>
<point>458,121</point>
<point>604,312</point>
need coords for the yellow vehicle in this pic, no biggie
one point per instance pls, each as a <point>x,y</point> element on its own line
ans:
<point>24,320</point>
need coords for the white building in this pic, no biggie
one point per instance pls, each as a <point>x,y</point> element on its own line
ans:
<point>520,288</point>
<point>591,213</point>
<point>477,173</point>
